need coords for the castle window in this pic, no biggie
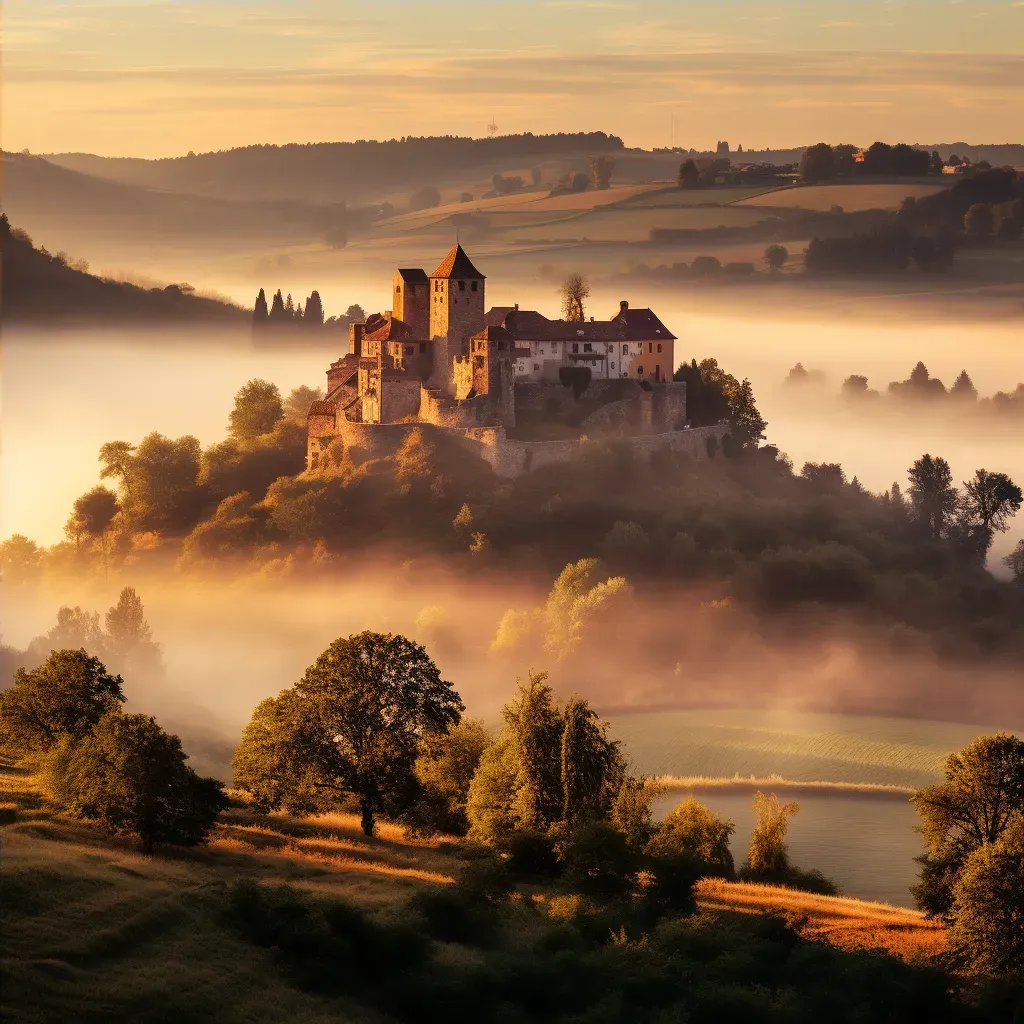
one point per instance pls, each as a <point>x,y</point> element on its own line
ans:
<point>474,285</point>
<point>462,286</point>
<point>659,346</point>
<point>398,289</point>
<point>650,346</point>
<point>639,370</point>
<point>625,349</point>
<point>613,366</point>
<point>588,347</point>
<point>575,347</point>
<point>536,367</point>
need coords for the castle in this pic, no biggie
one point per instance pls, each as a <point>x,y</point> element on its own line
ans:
<point>497,376</point>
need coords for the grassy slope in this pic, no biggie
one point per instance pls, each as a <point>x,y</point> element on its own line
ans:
<point>95,931</point>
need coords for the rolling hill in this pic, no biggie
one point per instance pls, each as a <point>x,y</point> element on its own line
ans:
<point>39,287</point>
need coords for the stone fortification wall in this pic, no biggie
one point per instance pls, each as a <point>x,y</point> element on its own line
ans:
<point>537,399</point>
<point>668,406</point>
<point>401,399</point>
<point>511,458</point>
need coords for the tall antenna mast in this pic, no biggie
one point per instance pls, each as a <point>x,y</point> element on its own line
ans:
<point>492,128</point>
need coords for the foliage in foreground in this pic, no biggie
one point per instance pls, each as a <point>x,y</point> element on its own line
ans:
<point>573,962</point>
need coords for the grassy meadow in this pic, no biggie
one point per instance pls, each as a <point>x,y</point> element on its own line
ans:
<point>93,931</point>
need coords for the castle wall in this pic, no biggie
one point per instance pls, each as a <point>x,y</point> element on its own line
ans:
<point>455,314</point>
<point>401,399</point>
<point>462,377</point>
<point>412,304</point>
<point>669,406</point>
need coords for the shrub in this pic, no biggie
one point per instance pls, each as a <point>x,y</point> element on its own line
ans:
<point>694,830</point>
<point>596,858</point>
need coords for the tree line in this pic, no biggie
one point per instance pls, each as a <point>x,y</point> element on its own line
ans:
<point>285,313</point>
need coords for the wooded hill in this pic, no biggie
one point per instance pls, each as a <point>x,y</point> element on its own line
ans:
<point>336,171</point>
<point>41,287</point>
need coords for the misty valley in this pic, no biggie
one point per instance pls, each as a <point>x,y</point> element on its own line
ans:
<point>519,578</point>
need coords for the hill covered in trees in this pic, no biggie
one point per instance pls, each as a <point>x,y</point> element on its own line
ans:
<point>333,171</point>
<point>39,286</point>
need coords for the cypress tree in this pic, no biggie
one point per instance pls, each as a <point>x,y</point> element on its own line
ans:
<point>260,316</point>
<point>314,315</point>
<point>289,306</point>
<point>277,313</point>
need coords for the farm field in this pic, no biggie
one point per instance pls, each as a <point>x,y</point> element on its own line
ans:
<point>671,196</point>
<point>850,197</point>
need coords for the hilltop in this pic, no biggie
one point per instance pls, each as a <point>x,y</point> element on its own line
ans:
<point>41,287</point>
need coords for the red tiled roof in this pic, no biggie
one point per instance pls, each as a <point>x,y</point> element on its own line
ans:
<point>529,325</point>
<point>642,325</point>
<point>324,407</point>
<point>458,265</point>
<point>392,329</point>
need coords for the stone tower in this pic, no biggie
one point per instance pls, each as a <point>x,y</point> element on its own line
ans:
<point>412,301</point>
<point>456,312</point>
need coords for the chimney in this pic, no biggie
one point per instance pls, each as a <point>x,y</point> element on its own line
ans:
<point>355,339</point>
<point>623,306</point>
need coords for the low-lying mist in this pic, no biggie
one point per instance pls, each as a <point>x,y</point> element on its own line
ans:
<point>227,645</point>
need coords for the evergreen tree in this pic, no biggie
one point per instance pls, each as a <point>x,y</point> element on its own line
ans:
<point>277,311</point>
<point>314,315</point>
<point>289,307</point>
<point>963,388</point>
<point>260,316</point>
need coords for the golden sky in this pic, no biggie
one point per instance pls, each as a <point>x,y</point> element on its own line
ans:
<point>162,77</point>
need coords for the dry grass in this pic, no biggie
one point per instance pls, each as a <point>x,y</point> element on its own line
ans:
<point>843,922</point>
<point>850,197</point>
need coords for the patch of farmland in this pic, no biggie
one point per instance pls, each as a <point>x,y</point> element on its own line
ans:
<point>851,198</point>
<point>669,197</point>
<point>801,747</point>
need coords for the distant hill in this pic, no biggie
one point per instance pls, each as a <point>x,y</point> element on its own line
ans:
<point>65,205</point>
<point>39,287</point>
<point>331,172</point>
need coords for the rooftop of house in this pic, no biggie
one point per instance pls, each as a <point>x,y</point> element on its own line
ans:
<point>457,265</point>
<point>413,275</point>
<point>388,328</point>
<point>641,324</point>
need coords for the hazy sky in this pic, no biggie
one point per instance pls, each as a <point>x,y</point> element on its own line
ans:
<point>161,77</point>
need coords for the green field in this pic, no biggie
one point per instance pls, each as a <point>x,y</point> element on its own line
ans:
<point>795,746</point>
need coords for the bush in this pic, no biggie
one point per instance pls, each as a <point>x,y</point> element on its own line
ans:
<point>130,775</point>
<point>530,855</point>
<point>693,830</point>
<point>596,858</point>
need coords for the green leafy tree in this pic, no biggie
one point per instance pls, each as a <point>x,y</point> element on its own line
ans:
<point>987,933</point>
<point>353,725</point>
<point>129,638</point>
<point>979,221</point>
<point>689,174</point>
<point>631,809</point>
<point>592,765</point>
<point>986,505</point>
<point>164,474</point>
<point>769,853</point>
<point>296,405</point>
<point>1014,561</point>
<point>775,257</point>
<point>982,786</point>
<point>818,163</point>
<point>933,497</point>
<point>21,560</point>
<point>257,410</point>
<point>692,829</point>
<point>601,168</point>
<point>91,516</point>
<point>445,769</point>
<point>131,776</point>
<point>117,460</point>
<point>65,697</point>
<point>524,777</point>
<point>746,424</point>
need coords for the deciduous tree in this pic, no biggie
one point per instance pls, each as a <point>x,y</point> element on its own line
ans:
<point>257,410</point>
<point>353,725</point>
<point>982,786</point>
<point>933,497</point>
<point>65,697</point>
<point>693,830</point>
<point>574,291</point>
<point>131,776</point>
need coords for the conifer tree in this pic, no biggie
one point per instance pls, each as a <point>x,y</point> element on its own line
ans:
<point>314,315</point>
<point>277,313</point>
<point>289,306</point>
<point>260,316</point>
<point>963,387</point>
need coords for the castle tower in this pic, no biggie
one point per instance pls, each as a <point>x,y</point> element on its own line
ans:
<point>411,298</point>
<point>456,312</point>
